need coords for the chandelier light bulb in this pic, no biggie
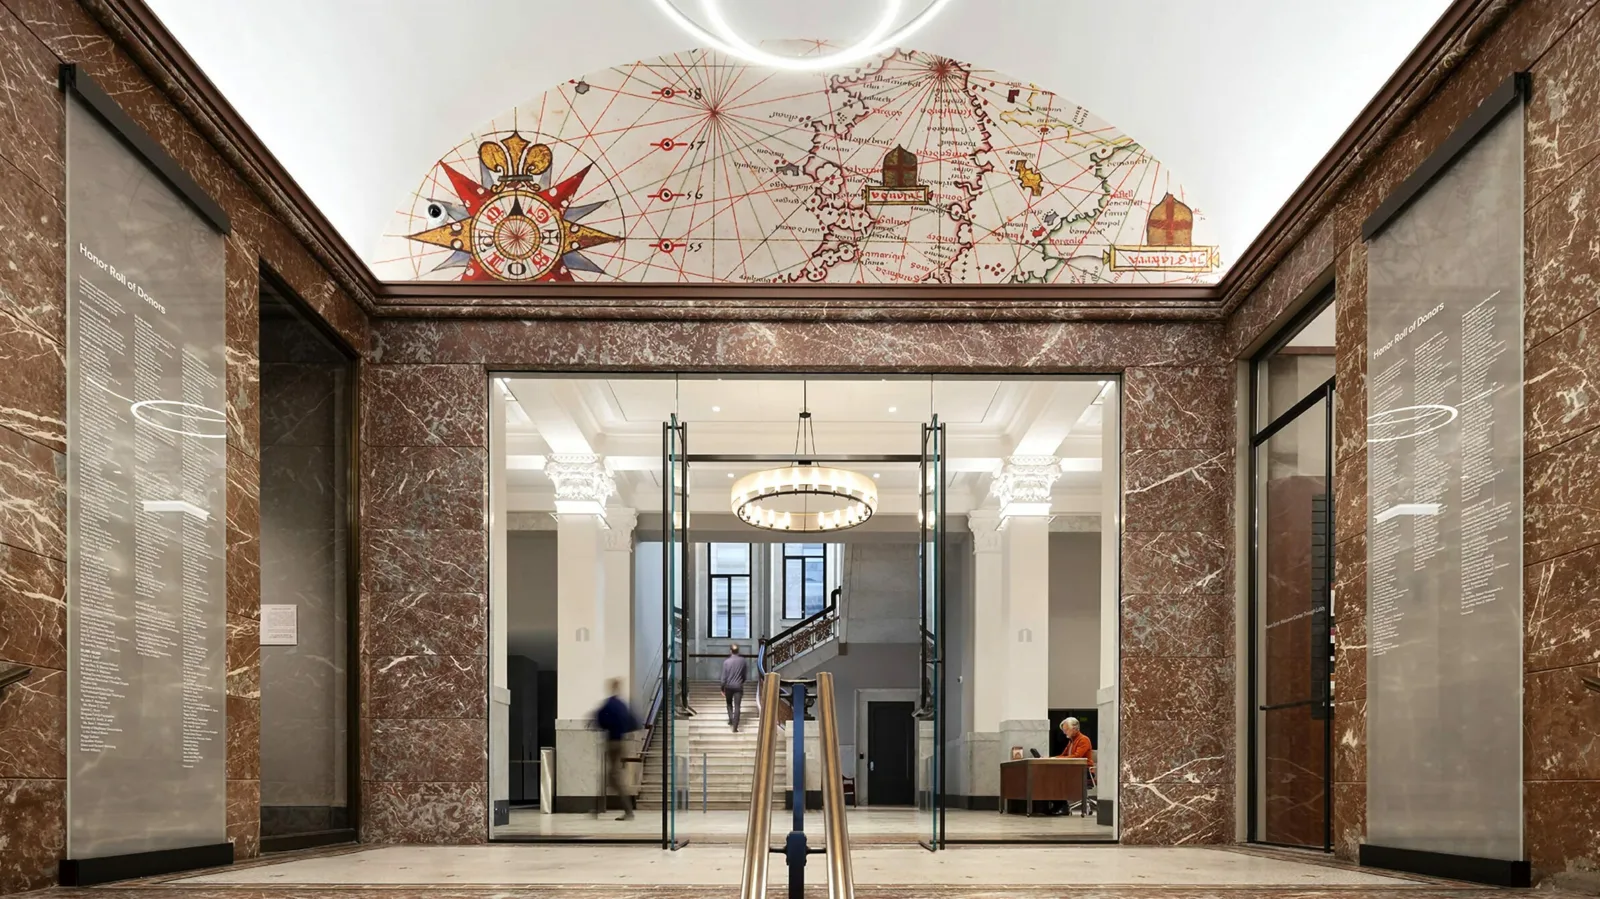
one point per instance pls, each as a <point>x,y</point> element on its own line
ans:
<point>883,36</point>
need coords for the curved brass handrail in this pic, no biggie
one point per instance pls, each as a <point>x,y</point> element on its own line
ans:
<point>841,880</point>
<point>758,832</point>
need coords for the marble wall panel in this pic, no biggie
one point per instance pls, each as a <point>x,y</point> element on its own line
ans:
<point>1562,731</point>
<point>1194,750</point>
<point>1178,489</point>
<point>417,487</point>
<point>421,405</point>
<point>33,814</point>
<point>424,623</point>
<point>32,130</point>
<point>1174,562</point>
<point>1176,814</point>
<point>244,657</point>
<point>33,393</point>
<point>33,609</point>
<point>1561,613</point>
<point>244,818</point>
<point>440,750</point>
<point>1167,626</point>
<point>432,560</point>
<point>1563,268</point>
<point>1184,407</point>
<point>1172,689</point>
<point>1559,512</point>
<point>33,479</point>
<point>1564,111</point>
<point>33,727</point>
<point>243,534</point>
<point>32,228</point>
<point>1349,819</point>
<point>244,738</point>
<point>799,346</point>
<point>1561,399</point>
<point>1562,838</point>
<point>419,686</point>
<point>243,338</point>
<point>401,812</point>
<point>1350,741</point>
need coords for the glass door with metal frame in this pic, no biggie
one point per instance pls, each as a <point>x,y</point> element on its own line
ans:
<point>1291,586</point>
<point>676,635</point>
<point>930,714</point>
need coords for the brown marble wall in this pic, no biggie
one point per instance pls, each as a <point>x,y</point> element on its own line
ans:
<point>423,398</point>
<point>36,36</point>
<point>1555,41</point>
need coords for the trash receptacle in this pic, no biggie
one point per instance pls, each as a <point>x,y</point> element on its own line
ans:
<point>547,780</point>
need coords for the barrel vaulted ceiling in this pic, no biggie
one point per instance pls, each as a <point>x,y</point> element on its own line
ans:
<point>1015,141</point>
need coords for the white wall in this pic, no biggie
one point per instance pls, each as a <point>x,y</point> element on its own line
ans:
<point>1074,620</point>
<point>883,593</point>
<point>647,599</point>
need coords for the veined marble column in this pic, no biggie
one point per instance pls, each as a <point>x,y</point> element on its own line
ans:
<point>582,487</point>
<point>617,617</point>
<point>1023,489</point>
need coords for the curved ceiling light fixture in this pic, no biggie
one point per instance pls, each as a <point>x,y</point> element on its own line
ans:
<point>804,497</point>
<point>883,36</point>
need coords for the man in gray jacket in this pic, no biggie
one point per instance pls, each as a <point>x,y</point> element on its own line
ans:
<point>734,673</point>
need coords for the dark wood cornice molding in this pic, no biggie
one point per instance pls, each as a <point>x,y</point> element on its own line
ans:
<point>1458,31</point>
<point>1462,27</point>
<point>140,32</point>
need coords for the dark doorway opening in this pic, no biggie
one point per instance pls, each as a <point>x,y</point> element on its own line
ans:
<point>891,753</point>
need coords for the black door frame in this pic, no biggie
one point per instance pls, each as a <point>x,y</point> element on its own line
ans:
<point>1259,435</point>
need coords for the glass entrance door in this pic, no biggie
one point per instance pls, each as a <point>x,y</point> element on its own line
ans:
<point>1291,585</point>
<point>930,714</point>
<point>676,630</point>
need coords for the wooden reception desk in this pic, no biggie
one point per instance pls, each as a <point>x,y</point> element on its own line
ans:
<point>1043,780</point>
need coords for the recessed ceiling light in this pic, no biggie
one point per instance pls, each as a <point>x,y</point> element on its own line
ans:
<point>875,474</point>
<point>716,408</point>
<point>894,409</point>
<point>730,474</point>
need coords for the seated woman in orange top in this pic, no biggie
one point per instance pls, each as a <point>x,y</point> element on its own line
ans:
<point>1078,745</point>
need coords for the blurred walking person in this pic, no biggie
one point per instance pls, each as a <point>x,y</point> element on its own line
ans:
<point>617,721</point>
<point>735,672</point>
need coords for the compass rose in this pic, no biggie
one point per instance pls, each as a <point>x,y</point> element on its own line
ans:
<point>514,226</point>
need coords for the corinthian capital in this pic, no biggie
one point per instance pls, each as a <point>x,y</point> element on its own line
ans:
<point>583,483</point>
<point>1023,485</point>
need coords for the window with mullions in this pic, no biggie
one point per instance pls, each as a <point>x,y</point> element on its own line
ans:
<point>730,590</point>
<point>805,579</point>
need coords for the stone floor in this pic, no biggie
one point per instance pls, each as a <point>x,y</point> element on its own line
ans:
<point>867,826</point>
<point>711,870</point>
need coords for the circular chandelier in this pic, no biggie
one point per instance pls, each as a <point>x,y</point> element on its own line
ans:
<point>883,36</point>
<point>805,497</point>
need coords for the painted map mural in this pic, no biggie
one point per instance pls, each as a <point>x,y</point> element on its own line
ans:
<point>697,167</point>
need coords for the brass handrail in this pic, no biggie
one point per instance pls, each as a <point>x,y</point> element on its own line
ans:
<point>841,881</point>
<point>758,833</point>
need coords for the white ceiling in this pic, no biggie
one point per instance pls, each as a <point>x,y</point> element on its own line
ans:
<point>621,419</point>
<point>358,98</point>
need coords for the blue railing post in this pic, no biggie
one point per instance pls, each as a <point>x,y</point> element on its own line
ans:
<point>795,847</point>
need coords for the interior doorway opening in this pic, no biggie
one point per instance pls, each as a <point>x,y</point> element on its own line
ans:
<point>975,600</point>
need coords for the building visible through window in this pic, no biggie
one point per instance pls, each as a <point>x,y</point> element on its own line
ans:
<point>730,590</point>
<point>805,579</point>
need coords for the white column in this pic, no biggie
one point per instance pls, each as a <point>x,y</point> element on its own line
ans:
<point>582,487</point>
<point>990,665</point>
<point>617,620</point>
<point>1110,592</point>
<point>499,694</point>
<point>1023,489</point>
